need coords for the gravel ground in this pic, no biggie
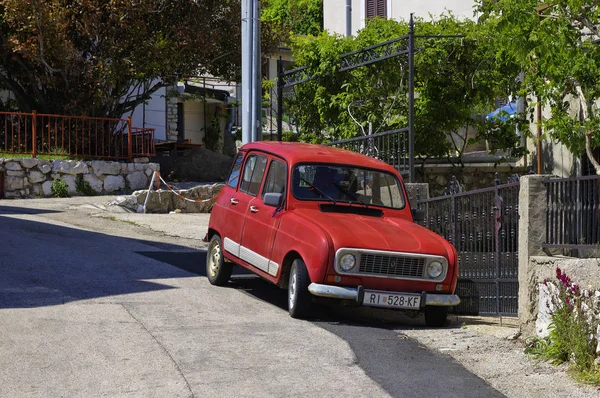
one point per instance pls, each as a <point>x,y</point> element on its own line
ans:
<point>495,353</point>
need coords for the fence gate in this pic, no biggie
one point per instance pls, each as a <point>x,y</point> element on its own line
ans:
<point>483,226</point>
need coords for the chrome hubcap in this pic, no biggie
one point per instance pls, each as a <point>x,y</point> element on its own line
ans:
<point>214,257</point>
<point>292,291</point>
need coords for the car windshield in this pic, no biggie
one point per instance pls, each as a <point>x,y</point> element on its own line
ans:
<point>338,183</point>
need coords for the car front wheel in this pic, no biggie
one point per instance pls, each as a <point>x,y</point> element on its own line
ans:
<point>299,298</point>
<point>218,270</point>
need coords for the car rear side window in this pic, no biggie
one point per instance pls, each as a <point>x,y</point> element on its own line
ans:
<point>254,169</point>
<point>234,177</point>
<point>276,178</point>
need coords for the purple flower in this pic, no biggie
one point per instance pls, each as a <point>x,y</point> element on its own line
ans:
<point>558,273</point>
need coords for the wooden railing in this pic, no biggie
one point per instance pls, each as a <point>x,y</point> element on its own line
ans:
<point>78,136</point>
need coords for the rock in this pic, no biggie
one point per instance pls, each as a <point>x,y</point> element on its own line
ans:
<point>29,163</point>
<point>36,177</point>
<point>13,183</point>
<point>128,202</point>
<point>141,160</point>
<point>94,182</point>
<point>154,166</point>
<point>45,167</point>
<point>149,172</point>
<point>47,188</point>
<point>158,201</point>
<point>37,189</point>
<point>103,168</point>
<point>114,183</point>
<point>137,180</point>
<point>14,166</point>
<point>71,167</point>
<point>71,182</point>
<point>15,173</point>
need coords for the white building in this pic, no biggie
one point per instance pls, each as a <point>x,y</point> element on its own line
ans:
<point>334,11</point>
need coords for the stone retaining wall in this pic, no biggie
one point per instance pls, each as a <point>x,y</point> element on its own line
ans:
<point>30,178</point>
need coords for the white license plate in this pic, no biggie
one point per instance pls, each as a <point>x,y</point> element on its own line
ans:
<point>392,300</point>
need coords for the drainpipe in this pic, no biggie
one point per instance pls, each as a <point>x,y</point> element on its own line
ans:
<point>348,18</point>
<point>539,137</point>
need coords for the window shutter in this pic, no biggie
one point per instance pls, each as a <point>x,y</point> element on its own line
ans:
<point>381,8</point>
<point>375,8</point>
<point>370,8</point>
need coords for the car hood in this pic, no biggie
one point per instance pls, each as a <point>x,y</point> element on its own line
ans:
<point>385,233</point>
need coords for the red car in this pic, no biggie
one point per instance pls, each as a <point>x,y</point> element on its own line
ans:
<point>320,221</point>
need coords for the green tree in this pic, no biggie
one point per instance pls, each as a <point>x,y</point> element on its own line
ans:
<point>555,45</point>
<point>102,58</point>
<point>457,82</point>
<point>294,17</point>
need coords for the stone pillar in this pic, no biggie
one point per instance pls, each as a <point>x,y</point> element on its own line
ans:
<point>416,190</point>
<point>532,234</point>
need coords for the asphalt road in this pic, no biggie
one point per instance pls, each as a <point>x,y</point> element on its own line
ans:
<point>93,306</point>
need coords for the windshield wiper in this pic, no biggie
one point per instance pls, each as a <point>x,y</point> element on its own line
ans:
<point>352,195</point>
<point>323,194</point>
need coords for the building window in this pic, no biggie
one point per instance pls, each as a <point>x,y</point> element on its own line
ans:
<point>376,8</point>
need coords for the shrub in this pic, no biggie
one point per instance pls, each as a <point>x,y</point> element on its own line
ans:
<point>575,317</point>
<point>59,188</point>
<point>84,187</point>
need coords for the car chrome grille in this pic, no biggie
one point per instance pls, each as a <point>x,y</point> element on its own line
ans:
<point>379,264</point>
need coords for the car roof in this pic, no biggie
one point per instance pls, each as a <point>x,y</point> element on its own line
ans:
<point>299,152</point>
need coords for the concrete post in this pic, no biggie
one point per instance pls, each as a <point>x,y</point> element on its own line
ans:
<point>532,234</point>
<point>416,191</point>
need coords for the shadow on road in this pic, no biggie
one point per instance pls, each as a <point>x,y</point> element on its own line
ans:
<point>23,210</point>
<point>44,264</point>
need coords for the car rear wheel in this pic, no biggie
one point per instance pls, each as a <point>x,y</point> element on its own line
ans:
<point>436,316</point>
<point>218,270</point>
<point>299,298</point>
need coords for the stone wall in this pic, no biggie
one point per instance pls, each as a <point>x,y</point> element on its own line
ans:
<point>30,178</point>
<point>200,200</point>
<point>583,272</point>
<point>472,176</point>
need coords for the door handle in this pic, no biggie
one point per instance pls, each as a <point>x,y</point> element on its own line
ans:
<point>233,201</point>
<point>254,209</point>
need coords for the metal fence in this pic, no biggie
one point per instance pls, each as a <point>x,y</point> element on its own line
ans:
<point>573,213</point>
<point>388,146</point>
<point>483,227</point>
<point>87,137</point>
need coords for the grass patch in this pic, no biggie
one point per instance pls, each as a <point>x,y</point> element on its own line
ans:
<point>113,218</point>
<point>59,188</point>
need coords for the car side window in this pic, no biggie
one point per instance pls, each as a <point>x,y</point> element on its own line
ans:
<point>254,169</point>
<point>234,177</point>
<point>276,178</point>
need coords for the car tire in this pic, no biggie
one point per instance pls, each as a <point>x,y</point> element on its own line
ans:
<point>299,298</point>
<point>218,271</point>
<point>436,316</point>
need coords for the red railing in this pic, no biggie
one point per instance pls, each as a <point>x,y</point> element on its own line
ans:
<point>79,136</point>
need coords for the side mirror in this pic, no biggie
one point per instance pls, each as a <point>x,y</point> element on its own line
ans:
<point>418,215</point>
<point>273,199</point>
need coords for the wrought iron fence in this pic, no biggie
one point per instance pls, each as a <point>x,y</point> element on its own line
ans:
<point>88,137</point>
<point>573,213</point>
<point>388,146</point>
<point>483,227</point>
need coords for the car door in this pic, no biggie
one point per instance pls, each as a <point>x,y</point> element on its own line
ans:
<point>239,201</point>
<point>262,221</point>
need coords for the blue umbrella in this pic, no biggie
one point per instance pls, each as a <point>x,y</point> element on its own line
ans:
<point>503,113</point>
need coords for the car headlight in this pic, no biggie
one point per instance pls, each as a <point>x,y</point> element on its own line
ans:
<point>347,262</point>
<point>435,269</point>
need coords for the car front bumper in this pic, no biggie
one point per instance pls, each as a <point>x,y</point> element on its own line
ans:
<point>357,294</point>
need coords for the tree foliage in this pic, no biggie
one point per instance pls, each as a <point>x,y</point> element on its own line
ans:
<point>294,17</point>
<point>555,46</point>
<point>102,58</point>
<point>457,82</point>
